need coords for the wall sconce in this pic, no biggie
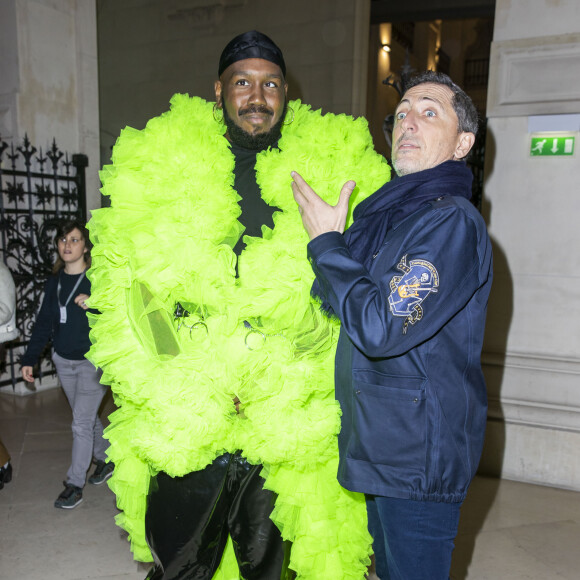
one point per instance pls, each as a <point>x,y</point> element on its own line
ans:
<point>386,47</point>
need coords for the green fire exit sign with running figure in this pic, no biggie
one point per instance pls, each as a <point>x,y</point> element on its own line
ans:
<point>551,145</point>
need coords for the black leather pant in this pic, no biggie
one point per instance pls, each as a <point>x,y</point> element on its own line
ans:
<point>189,518</point>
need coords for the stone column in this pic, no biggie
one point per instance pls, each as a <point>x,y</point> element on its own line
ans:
<point>532,204</point>
<point>49,78</point>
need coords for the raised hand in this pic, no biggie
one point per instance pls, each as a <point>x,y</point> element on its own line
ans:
<point>319,217</point>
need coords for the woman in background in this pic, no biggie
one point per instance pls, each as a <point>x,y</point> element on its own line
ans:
<point>63,318</point>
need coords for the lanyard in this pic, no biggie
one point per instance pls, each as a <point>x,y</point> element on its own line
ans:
<point>62,307</point>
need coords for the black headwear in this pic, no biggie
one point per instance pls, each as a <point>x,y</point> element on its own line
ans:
<point>251,44</point>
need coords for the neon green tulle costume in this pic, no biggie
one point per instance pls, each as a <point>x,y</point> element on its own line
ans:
<point>166,239</point>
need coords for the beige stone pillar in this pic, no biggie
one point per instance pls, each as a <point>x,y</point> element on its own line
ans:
<point>49,78</point>
<point>532,203</point>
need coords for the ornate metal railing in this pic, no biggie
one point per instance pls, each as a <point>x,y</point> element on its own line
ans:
<point>38,190</point>
<point>404,34</point>
<point>476,73</point>
<point>443,61</point>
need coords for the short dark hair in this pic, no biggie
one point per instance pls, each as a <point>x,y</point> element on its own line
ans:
<point>467,115</point>
<point>66,228</point>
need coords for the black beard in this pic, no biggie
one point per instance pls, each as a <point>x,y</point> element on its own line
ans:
<point>256,142</point>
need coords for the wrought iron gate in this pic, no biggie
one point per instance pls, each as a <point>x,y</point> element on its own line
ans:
<point>38,191</point>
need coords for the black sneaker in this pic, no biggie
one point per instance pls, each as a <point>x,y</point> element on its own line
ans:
<point>102,472</point>
<point>70,497</point>
<point>5,475</point>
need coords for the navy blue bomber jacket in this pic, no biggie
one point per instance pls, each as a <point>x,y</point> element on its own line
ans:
<point>408,370</point>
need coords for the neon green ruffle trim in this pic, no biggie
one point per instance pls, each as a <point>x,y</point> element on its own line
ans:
<point>168,238</point>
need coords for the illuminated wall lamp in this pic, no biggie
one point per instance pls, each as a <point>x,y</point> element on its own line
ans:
<point>386,47</point>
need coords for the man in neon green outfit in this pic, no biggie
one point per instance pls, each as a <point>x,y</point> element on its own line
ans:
<point>220,361</point>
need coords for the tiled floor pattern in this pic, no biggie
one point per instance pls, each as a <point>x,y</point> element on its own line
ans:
<point>508,530</point>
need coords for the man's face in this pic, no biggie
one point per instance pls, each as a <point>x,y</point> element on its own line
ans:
<point>425,132</point>
<point>252,93</point>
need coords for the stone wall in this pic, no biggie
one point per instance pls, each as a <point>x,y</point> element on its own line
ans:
<point>49,83</point>
<point>150,50</point>
<point>532,358</point>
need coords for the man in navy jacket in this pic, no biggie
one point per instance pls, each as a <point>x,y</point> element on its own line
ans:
<point>409,282</point>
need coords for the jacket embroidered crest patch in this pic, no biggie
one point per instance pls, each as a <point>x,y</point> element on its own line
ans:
<point>408,291</point>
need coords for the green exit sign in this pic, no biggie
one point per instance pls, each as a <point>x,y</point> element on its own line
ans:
<point>550,145</point>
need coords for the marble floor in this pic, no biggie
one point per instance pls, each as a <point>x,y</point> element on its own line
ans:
<point>508,530</point>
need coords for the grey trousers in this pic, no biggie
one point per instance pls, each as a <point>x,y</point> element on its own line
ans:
<point>80,382</point>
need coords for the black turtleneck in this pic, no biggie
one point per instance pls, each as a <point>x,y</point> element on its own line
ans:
<point>255,211</point>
